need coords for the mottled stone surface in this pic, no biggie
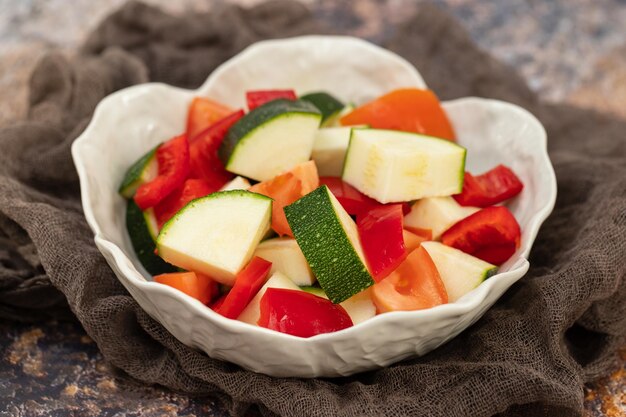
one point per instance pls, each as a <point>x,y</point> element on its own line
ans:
<point>56,370</point>
<point>568,50</point>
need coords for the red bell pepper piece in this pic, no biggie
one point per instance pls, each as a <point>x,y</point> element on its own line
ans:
<point>380,233</point>
<point>259,97</point>
<point>173,160</point>
<point>496,255</point>
<point>406,109</point>
<point>351,199</point>
<point>218,303</point>
<point>247,283</point>
<point>414,285</point>
<point>203,112</point>
<point>191,189</point>
<point>300,313</point>
<point>198,286</point>
<point>492,187</point>
<point>205,163</point>
<point>491,234</point>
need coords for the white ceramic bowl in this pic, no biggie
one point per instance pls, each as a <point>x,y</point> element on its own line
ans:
<point>128,123</point>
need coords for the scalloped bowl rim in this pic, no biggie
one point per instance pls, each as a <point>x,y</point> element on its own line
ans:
<point>132,276</point>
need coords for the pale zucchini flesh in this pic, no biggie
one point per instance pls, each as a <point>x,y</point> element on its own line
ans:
<point>253,310</point>
<point>144,170</point>
<point>271,139</point>
<point>286,257</point>
<point>437,214</point>
<point>237,183</point>
<point>329,150</point>
<point>151,223</point>
<point>393,166</point>
<point>216,235</point>
<point>359,307</point>
<point>459,271</point>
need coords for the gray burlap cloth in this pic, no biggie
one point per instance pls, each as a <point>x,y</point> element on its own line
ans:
<point>529,355</point>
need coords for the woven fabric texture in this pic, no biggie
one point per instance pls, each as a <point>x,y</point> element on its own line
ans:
<point>530,354</point>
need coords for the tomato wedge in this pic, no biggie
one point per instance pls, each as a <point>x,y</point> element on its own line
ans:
<point>300,313</point>
<point>247,283</point>
<point>259,97</point>
<point>381,236</point>
<point>285,189</point>
<point>198,286</point>
<point>351,199</point>
<point>203,112</point>
<point>408,109</point>
<point>491,234</point>
<point>190,190</point>
<point>205,163</point>
<point>173,160</point>
<point>492,187</point>
<point>412,241</point>
<point>414,285</point>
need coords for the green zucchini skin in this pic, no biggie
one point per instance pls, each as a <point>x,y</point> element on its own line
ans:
<point>326,246</point>
<point>258,117</point>
<point>325,103</point>
<point>459,272</point>
<point>143,243</point>
<point>132,178</point>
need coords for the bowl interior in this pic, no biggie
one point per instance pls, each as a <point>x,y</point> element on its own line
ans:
<point>130,122</point>
<point>351,69</point>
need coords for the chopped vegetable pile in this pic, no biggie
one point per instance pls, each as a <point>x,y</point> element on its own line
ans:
<point>305,215</point>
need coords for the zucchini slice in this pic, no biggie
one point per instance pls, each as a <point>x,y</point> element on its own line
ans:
<point>325,103</point>
<point>142,232</point>
<point>252,312</point>
<point>237,183</point>
<point>271,139</point>
<point>145,169</point>
<point>334,121</point>
<point>329,150</point>
<point>286,257</point>
<point>216,235</point>
<point>437,214</point>
<point>459,271</point>
<point>330,243</point>
<point>393,166</point>
<point>359,307</point>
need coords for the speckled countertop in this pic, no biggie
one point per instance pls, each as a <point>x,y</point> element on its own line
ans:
<point>571,51</point>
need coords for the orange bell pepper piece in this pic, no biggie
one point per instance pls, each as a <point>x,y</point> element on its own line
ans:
<point>198,286</point>
<point>285,189</point>
<point>408,110</point>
